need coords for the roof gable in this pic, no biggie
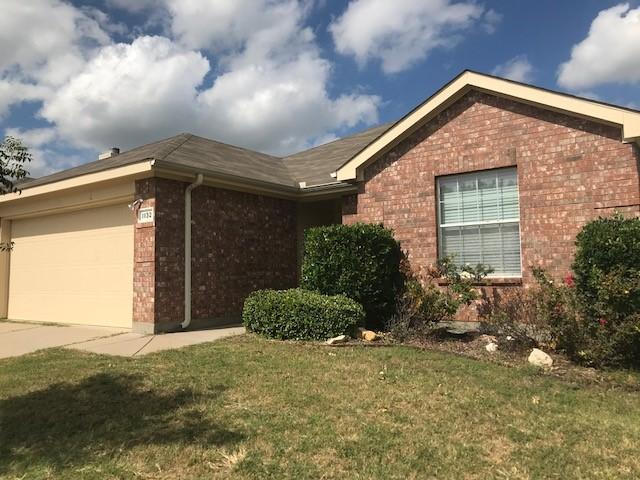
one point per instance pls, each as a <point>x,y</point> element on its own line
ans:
<point>627,119</point>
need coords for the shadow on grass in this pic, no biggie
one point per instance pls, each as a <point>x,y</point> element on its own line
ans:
<point>70,424</point>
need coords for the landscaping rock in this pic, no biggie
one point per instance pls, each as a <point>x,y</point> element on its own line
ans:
<point>367,335</point>
<point>488,338</point>
<point>491,347</point>
<point>540,359</point>
<point>338,339</point>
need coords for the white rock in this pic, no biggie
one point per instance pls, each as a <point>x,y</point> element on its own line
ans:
<point>491,347</point>
<point>539,358</point>
<point>338,339</point>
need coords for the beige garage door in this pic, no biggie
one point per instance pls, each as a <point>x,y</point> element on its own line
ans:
<point>73,267</point>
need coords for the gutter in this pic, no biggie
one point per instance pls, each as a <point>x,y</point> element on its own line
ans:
<point>262,187</point>
<point>229,180</point>
<point>187,249</point>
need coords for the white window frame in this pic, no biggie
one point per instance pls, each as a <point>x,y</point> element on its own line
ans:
<point>440,225</point>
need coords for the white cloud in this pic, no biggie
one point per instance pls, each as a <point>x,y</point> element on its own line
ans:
<point>491,19</point>
<point>518,68</point>
<point>35,137</point>
<point>401,32</point>
<point>279,65</point>
<point>45,40</point>
<point>48,152</point>
<point>609,54</point>
<point>280,108</point>
<point>14,91</point>
<point>129,94</point>
<point>269,90</point>
<point>218,25</point>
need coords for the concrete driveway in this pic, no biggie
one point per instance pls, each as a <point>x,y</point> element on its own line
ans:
<point>21,338</point>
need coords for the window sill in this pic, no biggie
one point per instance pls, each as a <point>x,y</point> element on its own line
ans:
<point>489,282</point>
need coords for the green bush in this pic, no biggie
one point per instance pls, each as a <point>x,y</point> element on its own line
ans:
<point>299,314</point>
<point>607,293</point>
<point>360,261</point>
<point>610,340</point>
<point>605,246</point>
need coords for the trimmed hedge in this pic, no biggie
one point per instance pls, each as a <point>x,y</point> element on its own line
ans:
<point>360,261</point>
<point>299,314</point>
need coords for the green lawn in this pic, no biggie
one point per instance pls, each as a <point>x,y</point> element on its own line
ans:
<point>250,408</point>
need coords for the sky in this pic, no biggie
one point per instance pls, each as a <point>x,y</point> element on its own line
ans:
<point>279,76</point>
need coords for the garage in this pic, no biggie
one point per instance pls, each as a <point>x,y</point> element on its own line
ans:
<point>73,267</point>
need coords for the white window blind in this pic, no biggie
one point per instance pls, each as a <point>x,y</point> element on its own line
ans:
<point>479,219</point>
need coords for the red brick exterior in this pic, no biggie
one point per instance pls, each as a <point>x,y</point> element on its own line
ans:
<point>144,259</point>
<point>240,242</point>
<point>569,171</point>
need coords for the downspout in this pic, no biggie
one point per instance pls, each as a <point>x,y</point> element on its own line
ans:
<point>187,249</point>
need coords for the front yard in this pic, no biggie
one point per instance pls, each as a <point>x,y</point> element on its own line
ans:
<point>252,408</point>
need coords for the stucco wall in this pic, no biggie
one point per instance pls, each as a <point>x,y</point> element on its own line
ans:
<point>241,242</point>
<point>569,171</point>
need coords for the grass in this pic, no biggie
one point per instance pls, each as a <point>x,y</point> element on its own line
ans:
<point>250,408</point>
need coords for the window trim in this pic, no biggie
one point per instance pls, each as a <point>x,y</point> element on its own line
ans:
<point>440,226</point>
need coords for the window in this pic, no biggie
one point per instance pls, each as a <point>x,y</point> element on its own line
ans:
<point>479,219</point>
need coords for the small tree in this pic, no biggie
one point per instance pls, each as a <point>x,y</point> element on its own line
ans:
<point>14,155</point>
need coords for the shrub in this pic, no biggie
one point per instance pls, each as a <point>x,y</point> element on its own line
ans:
<point>607,292</point>
<point>605,246</point>
<point>299,314</point>
<point>606,339</point>
<point>460,281</point>
<point>419,311</point>
<point>360,261</point>
<point>517,313</point>
<point>423,305</point>
<point>611,325</point>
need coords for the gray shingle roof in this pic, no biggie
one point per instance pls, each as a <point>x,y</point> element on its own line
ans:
<point>145,152</point>
<point>313,166</point>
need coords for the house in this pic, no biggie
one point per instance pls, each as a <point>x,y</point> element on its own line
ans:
<point>489,169</point>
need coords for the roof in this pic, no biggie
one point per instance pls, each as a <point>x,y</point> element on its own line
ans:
<point>315,166</point>
<point>627,119</point>
<point>189,151</point>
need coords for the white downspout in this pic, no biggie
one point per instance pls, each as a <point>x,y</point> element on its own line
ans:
<point>187,249</point>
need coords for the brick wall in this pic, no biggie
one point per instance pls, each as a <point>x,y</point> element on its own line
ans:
<point>240,242</point>
<point>569,171</point>
<point>144,261</point>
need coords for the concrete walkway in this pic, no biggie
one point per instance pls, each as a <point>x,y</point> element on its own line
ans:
<point>136,344</point>
<point>21,338</point>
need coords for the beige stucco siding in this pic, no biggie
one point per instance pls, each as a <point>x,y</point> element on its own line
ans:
<point>74,267</point>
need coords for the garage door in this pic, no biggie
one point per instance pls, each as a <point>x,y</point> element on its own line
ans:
<point>73,267</point>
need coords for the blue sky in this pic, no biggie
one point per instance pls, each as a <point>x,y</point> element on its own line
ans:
<point>282,75</point>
